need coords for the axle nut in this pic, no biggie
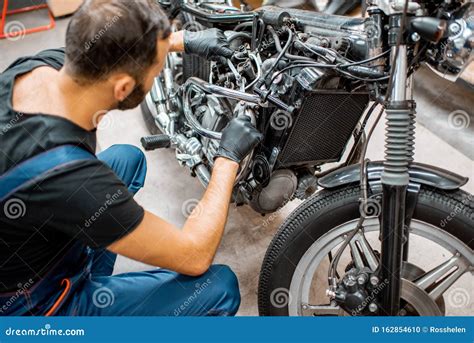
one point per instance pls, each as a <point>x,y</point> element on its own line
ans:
<point>373,307</point>
<point>374,280</point>
<point>362,279</point>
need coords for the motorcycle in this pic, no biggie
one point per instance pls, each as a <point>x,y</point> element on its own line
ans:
<point>312,83</point>
<point>339,7</point>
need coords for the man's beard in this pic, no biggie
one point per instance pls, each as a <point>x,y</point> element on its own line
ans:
<point>133,100</point>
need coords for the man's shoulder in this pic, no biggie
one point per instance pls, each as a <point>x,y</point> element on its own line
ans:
<point>53,57</point>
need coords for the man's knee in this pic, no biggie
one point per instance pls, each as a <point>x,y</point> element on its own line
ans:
<point>130,164</point>
<point>225,289</point>
<point>134,156</point>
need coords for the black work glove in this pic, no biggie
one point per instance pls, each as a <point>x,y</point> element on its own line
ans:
<point>239,138</point>
<point>208,44</point>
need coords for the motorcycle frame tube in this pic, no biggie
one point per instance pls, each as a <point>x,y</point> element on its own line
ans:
<point>393,208</point>
<point>208,88</point>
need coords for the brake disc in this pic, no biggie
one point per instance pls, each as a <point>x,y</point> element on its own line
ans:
<point>412,272</point>
<point>418,301</point>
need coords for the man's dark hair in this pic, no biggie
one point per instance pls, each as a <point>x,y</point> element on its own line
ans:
<point>106,36</point>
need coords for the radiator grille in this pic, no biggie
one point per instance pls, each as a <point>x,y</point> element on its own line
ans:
<point>323,127</point>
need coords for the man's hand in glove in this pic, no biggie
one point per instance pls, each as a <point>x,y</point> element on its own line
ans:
<point>210,44</point>
<point>239,138</point>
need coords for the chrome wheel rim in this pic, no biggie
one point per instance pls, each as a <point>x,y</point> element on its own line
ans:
<point>302,280</point>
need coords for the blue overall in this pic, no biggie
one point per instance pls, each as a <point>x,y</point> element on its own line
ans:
<point>81,282</point>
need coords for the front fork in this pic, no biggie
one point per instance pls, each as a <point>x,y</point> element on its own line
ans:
<point>399,143</point>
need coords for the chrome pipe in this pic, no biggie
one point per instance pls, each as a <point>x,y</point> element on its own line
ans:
<point>203,174</point>
<point>196,83</point>
<point>399,91</point>
<point>218,90</point>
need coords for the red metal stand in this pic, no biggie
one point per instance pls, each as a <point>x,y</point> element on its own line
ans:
<point>22,32</point>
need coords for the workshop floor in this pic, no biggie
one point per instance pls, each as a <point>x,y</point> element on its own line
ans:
<point>169,186</point>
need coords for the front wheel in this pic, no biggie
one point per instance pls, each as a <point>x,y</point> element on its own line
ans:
<point>436,278</point>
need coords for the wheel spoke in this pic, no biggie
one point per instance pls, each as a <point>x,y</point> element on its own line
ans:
<point>361,250</point>
<point>440,278</point>
<point>356,256</point>
<point>368,252</point>
<point>321,310</point>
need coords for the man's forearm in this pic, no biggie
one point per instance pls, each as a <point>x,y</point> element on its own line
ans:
<point>177,41</point>
<point>191,250</point>
<point>206,224</point>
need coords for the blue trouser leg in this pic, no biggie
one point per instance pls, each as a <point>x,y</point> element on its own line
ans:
<point>157,293</point>
<point>129,164</point>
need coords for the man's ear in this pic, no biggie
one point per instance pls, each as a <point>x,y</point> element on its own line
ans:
<point>123,86</point>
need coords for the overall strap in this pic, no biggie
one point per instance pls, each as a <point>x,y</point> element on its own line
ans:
<point>36,167</point>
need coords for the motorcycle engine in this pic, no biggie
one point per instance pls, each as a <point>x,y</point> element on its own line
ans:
<point>266,182</point>
<point>296,114</point>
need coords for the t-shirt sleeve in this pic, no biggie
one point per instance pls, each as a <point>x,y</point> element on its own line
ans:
<point>52,57</point>
<point>87,202</point>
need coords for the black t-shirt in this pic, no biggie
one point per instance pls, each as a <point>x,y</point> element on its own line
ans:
<point>84,201</point>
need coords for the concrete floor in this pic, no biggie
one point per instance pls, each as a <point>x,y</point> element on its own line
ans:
<point>169,187</point>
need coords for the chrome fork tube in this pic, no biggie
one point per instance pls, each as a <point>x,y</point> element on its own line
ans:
<point>395,179</point>
<point>399,91</point>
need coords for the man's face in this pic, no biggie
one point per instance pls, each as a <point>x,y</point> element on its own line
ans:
<point>144,86</point>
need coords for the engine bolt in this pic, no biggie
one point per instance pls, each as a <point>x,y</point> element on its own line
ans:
<point>374,280</point>
<point>373,307</point>
<point>330,294</point>
<point>454,28</point>
<point>362,279</point>
<point>415,37</point>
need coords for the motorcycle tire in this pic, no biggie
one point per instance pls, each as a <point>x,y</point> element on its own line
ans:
<point>149,119</point>
<point>327,210</point>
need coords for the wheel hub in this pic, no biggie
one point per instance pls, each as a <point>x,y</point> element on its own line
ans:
<point>357,296</point>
